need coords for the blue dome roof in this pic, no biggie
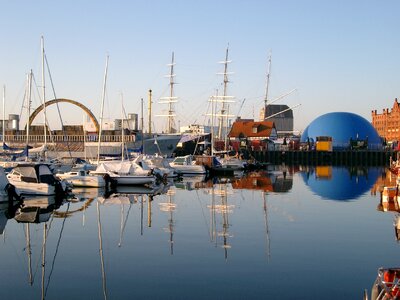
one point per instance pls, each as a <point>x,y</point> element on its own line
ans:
<point>342,126</point>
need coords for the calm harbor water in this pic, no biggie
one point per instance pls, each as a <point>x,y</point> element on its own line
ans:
<point>289,233</point>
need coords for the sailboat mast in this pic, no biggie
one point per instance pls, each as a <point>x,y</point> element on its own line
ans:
<point>84,136</point>
<point>122,129</point>
<point>4,114</point>
<point>150,102</point>
<point>28,106</point>
<point>44,92</point>
<point>102,109</point>
<point>142,124</point>
<point>213,100</point>
<point>267,85</point>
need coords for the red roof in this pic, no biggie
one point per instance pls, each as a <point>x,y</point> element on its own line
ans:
<point>250,128</point>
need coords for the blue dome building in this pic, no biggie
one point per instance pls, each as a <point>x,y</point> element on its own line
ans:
<point>342,127</point>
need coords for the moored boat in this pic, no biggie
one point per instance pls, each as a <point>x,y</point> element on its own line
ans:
<point>187,165</point>
<point>82,178</point>
<point>123,172</point>
<point>35,179</point>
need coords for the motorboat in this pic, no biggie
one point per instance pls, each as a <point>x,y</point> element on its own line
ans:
<point>162,164</point>
<point>232,162</point>
<point>35,179</point>
<point>142,167</point>
<point>124,173</point>
<point>82,178</point>
<point>187,165</point>
<point>5,189</point>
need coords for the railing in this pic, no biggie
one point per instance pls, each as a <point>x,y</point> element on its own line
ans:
<point>67,138</point>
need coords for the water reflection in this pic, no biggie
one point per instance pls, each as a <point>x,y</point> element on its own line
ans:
<point>340,183</point>
<point>35,210</point>
<point>180,231</point>
<point>278,181</point>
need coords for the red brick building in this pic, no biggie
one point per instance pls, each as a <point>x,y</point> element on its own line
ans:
<point>387,124</point>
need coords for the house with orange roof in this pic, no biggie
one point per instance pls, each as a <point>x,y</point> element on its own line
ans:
<point>249,133</point>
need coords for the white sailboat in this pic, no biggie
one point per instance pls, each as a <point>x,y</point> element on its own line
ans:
<point>123,172</point>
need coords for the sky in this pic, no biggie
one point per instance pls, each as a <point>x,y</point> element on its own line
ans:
<point>339,55</point>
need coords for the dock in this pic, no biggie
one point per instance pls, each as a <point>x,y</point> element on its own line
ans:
<point>343,157</point>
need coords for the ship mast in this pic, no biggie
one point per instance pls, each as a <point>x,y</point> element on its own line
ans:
<point>224,99</point>
<point>171,99</point>
<point>267,85</point>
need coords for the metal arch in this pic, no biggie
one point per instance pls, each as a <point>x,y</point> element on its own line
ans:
<point>80,105</point>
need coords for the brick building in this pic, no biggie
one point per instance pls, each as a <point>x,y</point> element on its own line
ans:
<point>387,123</point>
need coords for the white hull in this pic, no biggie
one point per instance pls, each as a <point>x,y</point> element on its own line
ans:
<point>193,169</point>
<point>132,179</point>
<point>85,181</point>
<point>30,188</point>
<point>186,165</point>
<point>232,163</point>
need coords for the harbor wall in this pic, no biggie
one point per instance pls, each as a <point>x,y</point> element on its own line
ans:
<point>348,157</point>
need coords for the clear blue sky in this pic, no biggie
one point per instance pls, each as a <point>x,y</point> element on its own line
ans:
<point>340,55</point>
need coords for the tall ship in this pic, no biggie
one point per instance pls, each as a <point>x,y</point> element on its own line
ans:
<point>162,143</point>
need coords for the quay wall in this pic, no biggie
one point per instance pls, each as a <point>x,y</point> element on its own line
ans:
<point>348,157</point>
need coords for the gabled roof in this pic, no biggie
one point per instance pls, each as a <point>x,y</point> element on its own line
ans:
<point>244,128</point>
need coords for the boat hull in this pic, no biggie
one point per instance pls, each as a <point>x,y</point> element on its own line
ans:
<point>86,181</point>
<point>132,180</point>
<point>36,189</point>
